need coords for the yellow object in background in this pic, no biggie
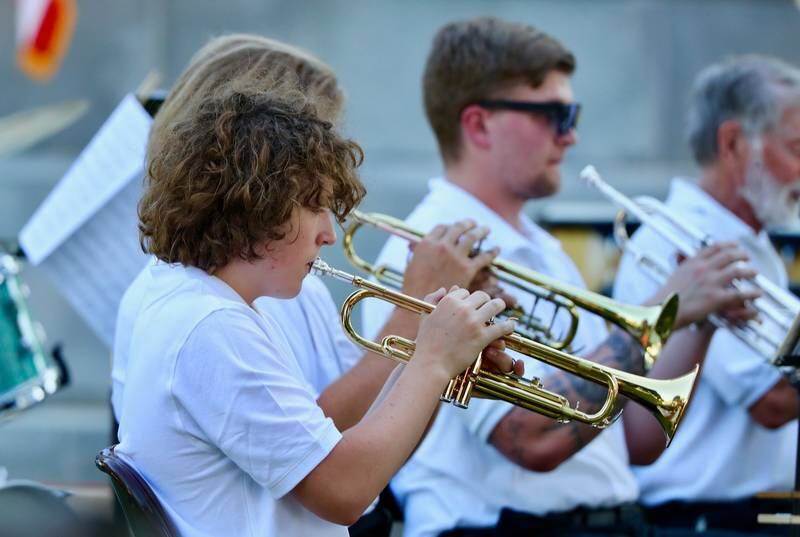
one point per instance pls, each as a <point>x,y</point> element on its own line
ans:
<point>587,248</point>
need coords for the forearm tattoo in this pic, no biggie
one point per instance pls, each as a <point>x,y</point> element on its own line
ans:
<point>517,433</point>
<point>619,351</point>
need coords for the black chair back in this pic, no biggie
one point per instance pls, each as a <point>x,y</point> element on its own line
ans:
<point>143,511</point>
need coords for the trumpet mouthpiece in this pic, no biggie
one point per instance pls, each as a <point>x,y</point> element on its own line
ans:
<point>590,175</point>
<point>321,268</point>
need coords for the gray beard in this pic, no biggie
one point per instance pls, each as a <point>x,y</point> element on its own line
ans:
<point>770,201</point>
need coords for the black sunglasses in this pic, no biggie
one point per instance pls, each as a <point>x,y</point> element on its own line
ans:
<point>564,116</point>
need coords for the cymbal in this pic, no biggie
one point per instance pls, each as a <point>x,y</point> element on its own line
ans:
<point>23,129</point>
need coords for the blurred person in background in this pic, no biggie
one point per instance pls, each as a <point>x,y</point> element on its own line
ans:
<point>739,436</point>
<point>499,100</point>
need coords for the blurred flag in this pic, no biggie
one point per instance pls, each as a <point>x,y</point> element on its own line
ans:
<point>44,29</point>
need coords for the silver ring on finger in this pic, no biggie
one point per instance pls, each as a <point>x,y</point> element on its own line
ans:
<point>476,249</point>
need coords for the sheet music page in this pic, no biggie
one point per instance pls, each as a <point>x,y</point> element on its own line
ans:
<point>97,263</point>
<point>84,235</point>
<point>112,159</point>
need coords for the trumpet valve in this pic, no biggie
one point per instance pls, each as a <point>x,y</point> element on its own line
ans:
<point>459,390</point>
<point>464,392</point>
<point>448,393</point>
<point>466,383</point>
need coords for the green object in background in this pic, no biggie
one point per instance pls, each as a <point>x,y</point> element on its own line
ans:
<point>16,359</point>
<point>25,374</point>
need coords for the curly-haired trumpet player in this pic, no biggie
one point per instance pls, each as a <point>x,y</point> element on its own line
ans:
<point>243,176</point>
<point>740,437</point>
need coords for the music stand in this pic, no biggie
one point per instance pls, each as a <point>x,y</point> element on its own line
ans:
<point>788,356</point>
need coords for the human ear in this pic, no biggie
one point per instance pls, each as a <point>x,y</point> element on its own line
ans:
<point>732,146</point>
<point>474,129</point>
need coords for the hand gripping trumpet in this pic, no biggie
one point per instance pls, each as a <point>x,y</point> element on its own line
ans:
<point>665,399</point>
<point>649,325</point>
<point>777,307</point>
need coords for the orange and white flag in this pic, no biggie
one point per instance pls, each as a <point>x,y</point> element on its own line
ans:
<point>44,30</point>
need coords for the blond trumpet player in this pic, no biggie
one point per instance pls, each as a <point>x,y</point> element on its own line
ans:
<point>499,100</point>
<point>739,437</point>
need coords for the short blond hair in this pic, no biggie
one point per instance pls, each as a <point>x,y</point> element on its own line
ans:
<point>248,62</point>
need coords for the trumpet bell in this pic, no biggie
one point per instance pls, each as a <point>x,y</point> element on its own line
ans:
<point>667,399</point>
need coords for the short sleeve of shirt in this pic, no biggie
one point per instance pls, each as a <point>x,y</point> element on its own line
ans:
<point>738,375</point>
<point>244,393</point>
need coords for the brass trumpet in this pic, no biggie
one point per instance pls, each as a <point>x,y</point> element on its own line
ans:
<point>778,308</point>
<point>665,399</point>
<point>649,325</point>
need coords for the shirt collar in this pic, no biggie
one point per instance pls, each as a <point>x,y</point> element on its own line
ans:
<point>719,221</point>
<point>502,233</point>
<point>160,269</point>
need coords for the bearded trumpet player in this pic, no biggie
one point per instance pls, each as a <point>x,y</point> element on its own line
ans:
<point>502,132</point>
<point>740,437</point>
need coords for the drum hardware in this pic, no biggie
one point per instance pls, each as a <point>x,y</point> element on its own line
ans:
<point>28,375</point>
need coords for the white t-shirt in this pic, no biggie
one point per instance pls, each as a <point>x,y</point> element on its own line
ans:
<point>128,312</point>
<point>456,478</point>
<point>217,415</point>
<point>719,453</point>
<point>310,323</point>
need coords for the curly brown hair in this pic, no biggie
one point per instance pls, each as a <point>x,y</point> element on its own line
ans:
<point>227,179</point>
<point>475,59</point>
